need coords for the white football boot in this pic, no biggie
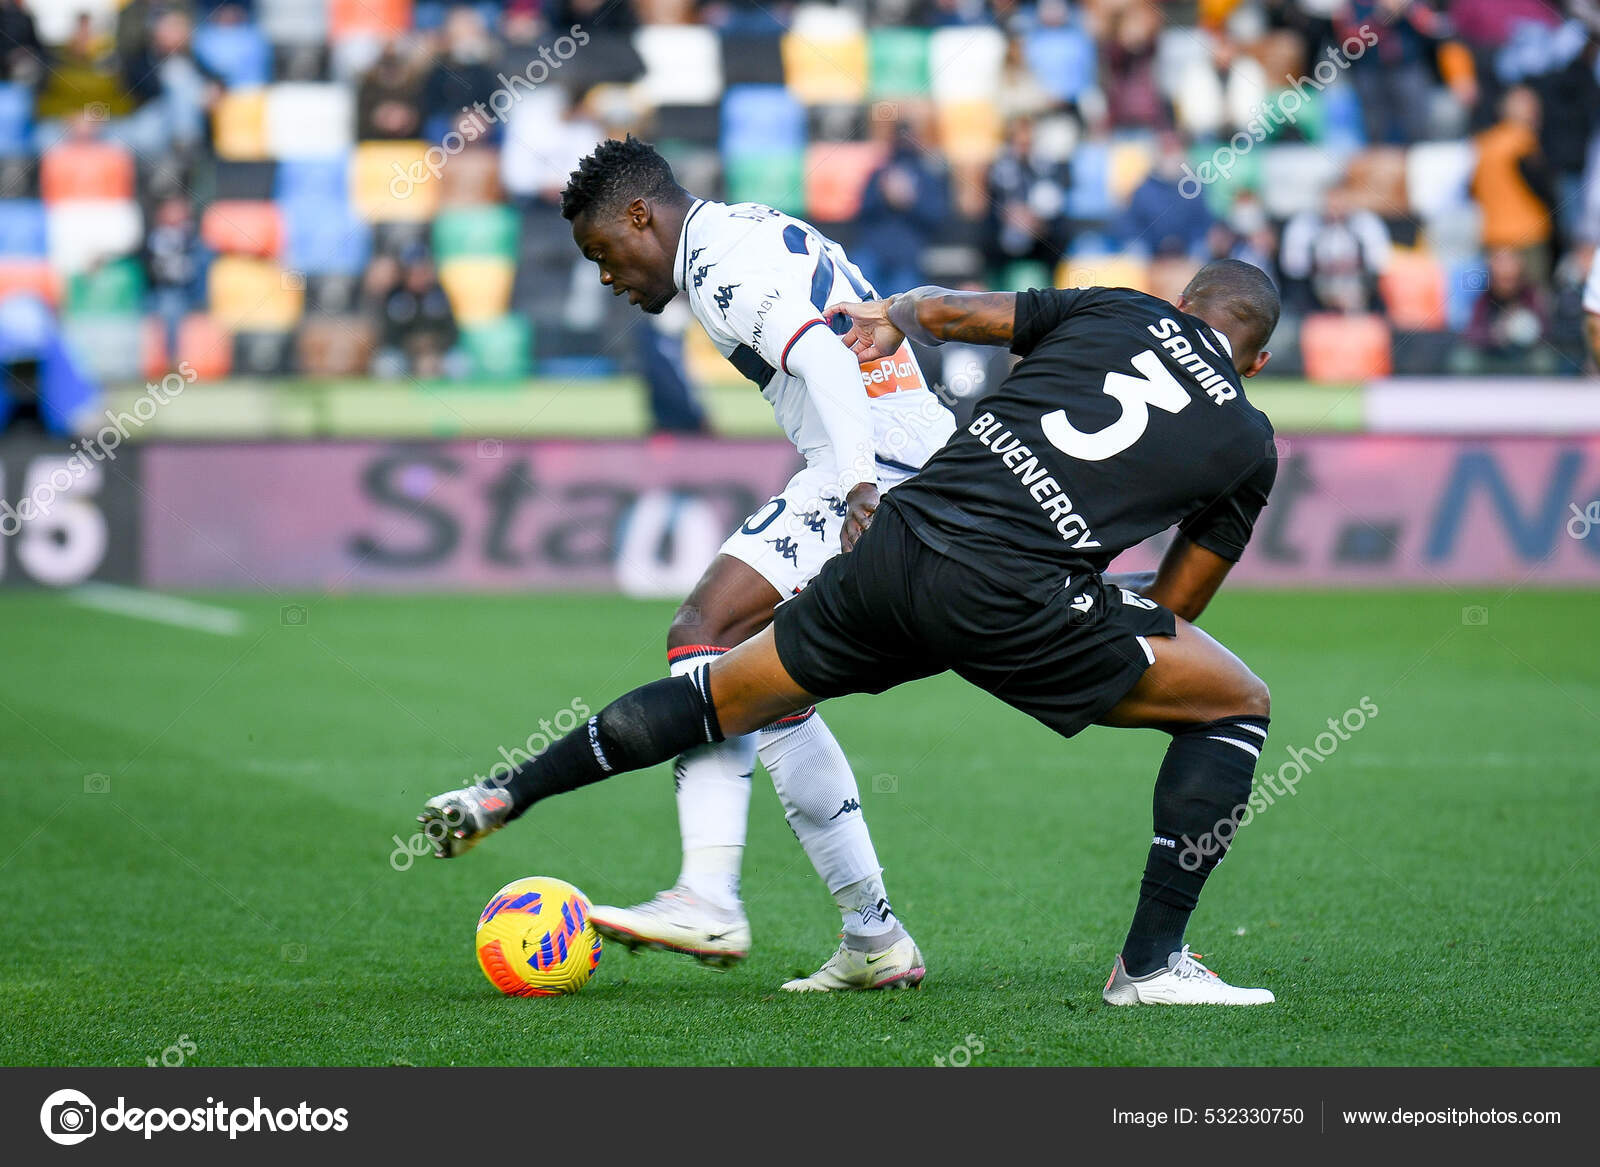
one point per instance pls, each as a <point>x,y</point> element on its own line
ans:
<point>1185,981</point>
<point>455,821</point>
<point>677,920</point>
<point>897,965</point>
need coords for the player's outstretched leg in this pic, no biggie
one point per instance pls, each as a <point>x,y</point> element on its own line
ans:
<point>820,798</point>
<point>1216,710</point>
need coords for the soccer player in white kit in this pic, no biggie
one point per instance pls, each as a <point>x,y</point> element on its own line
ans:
<point>762,284</point>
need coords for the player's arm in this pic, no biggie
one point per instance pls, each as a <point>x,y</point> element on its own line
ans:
<point>1591,327</point>
<point>929,315</point>
<point>833,383</point>
<point>1187,579</point>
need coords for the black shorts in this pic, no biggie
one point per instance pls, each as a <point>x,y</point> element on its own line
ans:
<point>894,610</point>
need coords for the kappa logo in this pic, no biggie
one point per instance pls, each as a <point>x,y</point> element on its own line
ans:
<point>700,274</point>
<point>724,296</point>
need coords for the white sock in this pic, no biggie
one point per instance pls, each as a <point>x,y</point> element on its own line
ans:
<point>713,785</point>
<point>820,798</point>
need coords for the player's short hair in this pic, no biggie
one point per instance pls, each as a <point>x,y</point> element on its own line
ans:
<point>1240,290</point>
<point>617,173</point>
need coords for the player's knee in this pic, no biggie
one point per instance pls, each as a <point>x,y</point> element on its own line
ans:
<point>1255,699</point>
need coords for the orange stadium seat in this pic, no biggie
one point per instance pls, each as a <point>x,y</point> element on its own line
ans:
<point>472,178</point>
<point>390,184</point>
<point>1414,291</point>
<point>836,174</point>
<point>1103,271</point>
<point>335,346</point>
<point>243,227</point>
<point>1345,348</point>
<point>825,60</point>
<point>239,125</point>
<point>1378,177</point>
<point>969,131</point>
<point>254,295</point>
<point>375,18</point>
<point>85,170</point>
<point>30,276</point>
<point>203,345</point>
<point>479,287</point>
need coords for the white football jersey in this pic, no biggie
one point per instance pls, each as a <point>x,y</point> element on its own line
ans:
<point>1591,290</point>
<point>757,281</point>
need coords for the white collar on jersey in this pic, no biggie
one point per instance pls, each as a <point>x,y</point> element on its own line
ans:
<point>1227,346</point>
<point>681,257</point>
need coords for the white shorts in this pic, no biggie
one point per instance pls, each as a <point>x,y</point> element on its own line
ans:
<point>793,534</point>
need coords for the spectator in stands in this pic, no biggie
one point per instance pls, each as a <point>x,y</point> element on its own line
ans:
<point>1393,78</point>
<point>174,90</point>
<point>462,75</point>
<point>389,102</point>
<point>21,54</point>
<point>1510,319</point>
<point>1133,97</point>
<point>1332,258</point>
<point>1247,234</point>
<point>175,266</point>
<point>1159,220</point>
<point>902,207</point>
<point>417,319</point>
<point>1513,184</point>
<point>1028,201</point>
<point>82,78</point>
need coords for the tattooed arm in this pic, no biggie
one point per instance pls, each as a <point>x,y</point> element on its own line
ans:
<point>928,315</point>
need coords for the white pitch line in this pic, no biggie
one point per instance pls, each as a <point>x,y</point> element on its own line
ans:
<point>153,606</point>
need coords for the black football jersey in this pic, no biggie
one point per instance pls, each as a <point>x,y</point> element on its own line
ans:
<point>1124,417</point>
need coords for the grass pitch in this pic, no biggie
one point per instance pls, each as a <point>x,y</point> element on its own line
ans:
<point>201,831</point>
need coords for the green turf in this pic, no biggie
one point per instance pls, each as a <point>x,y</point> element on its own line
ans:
<point>1429,896</point>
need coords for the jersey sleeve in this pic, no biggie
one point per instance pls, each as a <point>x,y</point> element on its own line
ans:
<point>764,301</point>
<point>1591,290</point>
<point>1041,309</point>
<point>1224,526</point>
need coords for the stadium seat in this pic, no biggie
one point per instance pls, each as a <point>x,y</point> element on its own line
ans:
<point>309,120</point>
<point>1345,348</point>
<point>238,53</point>
<point>86,170</point>
<point>1130,162</point>
<point>835,175</point>
<point>479,287</point>
<point>263,353</point>
<point>16,117</point>
<point>384,186</point>
<point>1062,60</point>
<point>683,64</point>
<point>500,349</point>
<point>471,179</point>
<point>969,131</point>
<point>324,237</point>
<point>897,63</point>
<point>54,21</point>
<point>776,179</point>
<point>1438,175</point>
<point>311,178</point>
<point>756,118</point>
<point>110,288</point>
<point>1020,275</point>
<point>379,19</point>
<point>1294,178</point>
<point>751,58</point>
<point>238,227</point>
<point>203,345</point>
<point>679,126</point>
<point>825,56</point>
<point>1378,177</point>
<point>293,22</point>
<point>1090,196</point>
<point>254,295</point>
<point>239,125</point>
<point>245,180</point>
<point>22,227</point>
<point>964,64</point>
<point>476,232</point>
<point>107,344</point>
<point>335,346</point>
<point>34,277</point>
<point>1413,290</point>
<point>1103,271</point>
<point>84,232</point>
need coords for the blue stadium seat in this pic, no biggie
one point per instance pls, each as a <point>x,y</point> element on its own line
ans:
<point>1062,59</point>
<point>324,237</point>
<point>239,53</point>
<point>327,179</point>
<point>16,111</point>
<point>1090,197</point>
<point>22,227</point>
<point>759,119</point>
<point>1341,114</point>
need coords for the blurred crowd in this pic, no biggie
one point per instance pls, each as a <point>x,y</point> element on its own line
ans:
<point>345,187</point>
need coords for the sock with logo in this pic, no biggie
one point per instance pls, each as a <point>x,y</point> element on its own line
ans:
<point>653,723</point>
<point>713,790</point>
<point>823,805</point>
<point>1201,790</point>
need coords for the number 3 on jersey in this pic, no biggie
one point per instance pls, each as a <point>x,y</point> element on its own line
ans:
<point>1157,387</point>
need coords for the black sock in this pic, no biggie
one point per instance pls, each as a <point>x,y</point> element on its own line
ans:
<point>1201,792</point>
<point>653,723</point>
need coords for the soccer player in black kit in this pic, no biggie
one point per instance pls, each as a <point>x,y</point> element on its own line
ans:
<point>1125,416</point>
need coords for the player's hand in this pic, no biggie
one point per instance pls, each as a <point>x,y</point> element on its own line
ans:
<point>871,337</point>
<point>861,504</point>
